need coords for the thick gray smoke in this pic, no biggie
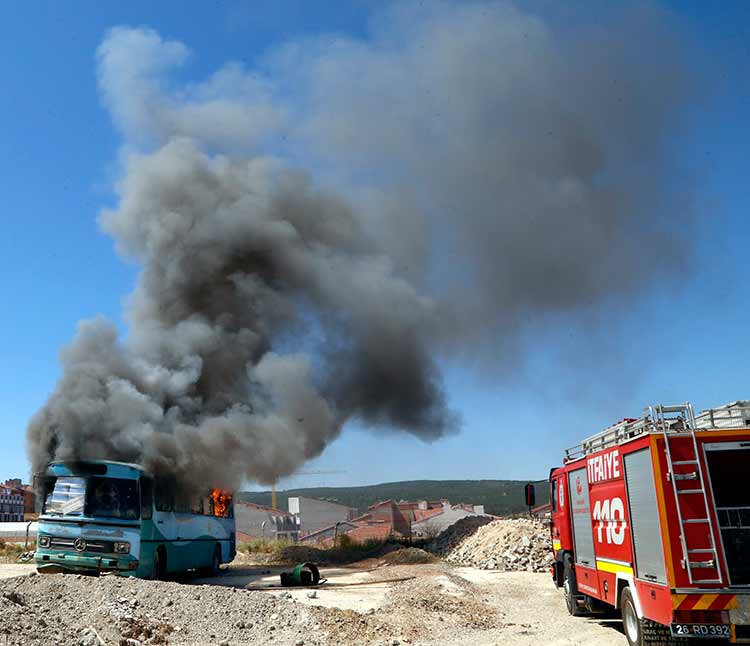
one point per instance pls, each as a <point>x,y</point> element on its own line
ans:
<point>474,168</point>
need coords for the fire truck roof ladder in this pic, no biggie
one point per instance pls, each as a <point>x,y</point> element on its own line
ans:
<point>679,427</point>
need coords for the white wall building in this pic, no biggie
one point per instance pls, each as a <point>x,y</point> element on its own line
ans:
<point>316,514</point>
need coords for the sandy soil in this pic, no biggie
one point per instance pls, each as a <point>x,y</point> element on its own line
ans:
<point>422,605</point>
<point>521,608</point>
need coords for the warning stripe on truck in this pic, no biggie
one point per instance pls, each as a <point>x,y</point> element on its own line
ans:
<point>704,601</point>
<point>615,567</point>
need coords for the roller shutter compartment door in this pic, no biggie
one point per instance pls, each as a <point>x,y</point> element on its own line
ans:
<point>583,537</point>
<point>644,517</point>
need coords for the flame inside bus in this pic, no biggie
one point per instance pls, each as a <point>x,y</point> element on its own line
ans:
<point>221,503</point>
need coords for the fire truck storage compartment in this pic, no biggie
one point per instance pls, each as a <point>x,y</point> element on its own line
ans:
<point>583,536</point>
<point>644,517</point>
<point>728,465</point>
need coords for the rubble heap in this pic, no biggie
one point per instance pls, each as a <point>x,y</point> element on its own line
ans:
<point>44,610</point>
<point>514,544</point>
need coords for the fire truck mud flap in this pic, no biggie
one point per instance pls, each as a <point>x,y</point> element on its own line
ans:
<point>626,581</point>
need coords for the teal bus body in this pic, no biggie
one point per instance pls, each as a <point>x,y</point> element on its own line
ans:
<point>101,516</point>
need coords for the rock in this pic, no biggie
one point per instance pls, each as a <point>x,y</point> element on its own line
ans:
<point>313,594</point>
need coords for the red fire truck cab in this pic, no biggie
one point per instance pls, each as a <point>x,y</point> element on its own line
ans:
<point>652,517</point>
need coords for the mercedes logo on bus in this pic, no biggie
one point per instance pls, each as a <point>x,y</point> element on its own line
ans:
<point>79,544</point>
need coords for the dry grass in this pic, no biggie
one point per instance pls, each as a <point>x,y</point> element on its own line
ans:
<point>283,552</point>
<point>10,551</point>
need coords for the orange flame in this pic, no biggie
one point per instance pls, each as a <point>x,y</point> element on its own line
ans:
<point>222,500</point>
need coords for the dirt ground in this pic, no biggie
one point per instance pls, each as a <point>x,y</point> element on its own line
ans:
<point>432,604</point>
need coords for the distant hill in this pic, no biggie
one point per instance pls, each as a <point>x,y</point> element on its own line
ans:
<point>499,497</point>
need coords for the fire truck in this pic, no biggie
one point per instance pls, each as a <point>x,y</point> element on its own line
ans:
<point>651,517</point>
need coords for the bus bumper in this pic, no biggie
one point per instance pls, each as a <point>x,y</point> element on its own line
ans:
<point>51,562</point>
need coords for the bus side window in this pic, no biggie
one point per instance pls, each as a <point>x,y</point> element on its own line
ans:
<point>147,498</point>
<point>196,506</point>
<point>164,495</point>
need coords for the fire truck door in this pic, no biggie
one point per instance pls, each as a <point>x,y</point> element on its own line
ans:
<point>583,539</point>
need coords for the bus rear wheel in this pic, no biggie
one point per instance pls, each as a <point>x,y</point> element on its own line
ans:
<point>159,568</point>
<point>216,562</point>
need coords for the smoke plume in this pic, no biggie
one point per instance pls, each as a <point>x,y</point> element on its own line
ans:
<point>475,166</point>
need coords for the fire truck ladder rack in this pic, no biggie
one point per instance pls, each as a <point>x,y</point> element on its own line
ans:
<point>685,421</point>
<point>662,419</point>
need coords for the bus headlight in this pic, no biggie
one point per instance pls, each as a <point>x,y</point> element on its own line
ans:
<point>122,548</point>
<point>43,541</point>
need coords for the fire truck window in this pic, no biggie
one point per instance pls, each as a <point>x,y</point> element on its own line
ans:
<point>554,495</point>
<point>727,469</point>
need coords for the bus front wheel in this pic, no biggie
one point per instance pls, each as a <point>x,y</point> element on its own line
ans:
<point>159,568</point>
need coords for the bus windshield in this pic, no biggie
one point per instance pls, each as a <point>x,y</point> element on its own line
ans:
<point>66,497</point>
<point>93,497</point>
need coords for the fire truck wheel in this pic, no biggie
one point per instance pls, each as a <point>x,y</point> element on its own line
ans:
<point>642,632</point>
<point>570,588</point>
<point>630,621</point>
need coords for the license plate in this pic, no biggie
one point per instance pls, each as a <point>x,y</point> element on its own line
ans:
<point>701,630</point>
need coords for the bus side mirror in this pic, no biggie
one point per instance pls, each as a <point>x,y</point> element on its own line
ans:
<point>529,495</point>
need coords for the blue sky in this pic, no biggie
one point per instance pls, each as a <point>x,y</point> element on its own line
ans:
<point>58,162</point>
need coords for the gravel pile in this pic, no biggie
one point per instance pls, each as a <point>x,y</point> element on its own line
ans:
<point>408,556</point>
<point>51,609</point>
<point>517,544</point>
<point>461,529</point>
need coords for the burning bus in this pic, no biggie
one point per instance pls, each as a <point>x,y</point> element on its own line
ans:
<point>101,516</point>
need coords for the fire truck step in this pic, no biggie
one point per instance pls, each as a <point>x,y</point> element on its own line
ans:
<point>707,581</point>
<point>707,550</point>
<point>696,520</point>
<point>684,491</point>
<point>706,565</point>
<point>686,476</point>
<point>686,462</point>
